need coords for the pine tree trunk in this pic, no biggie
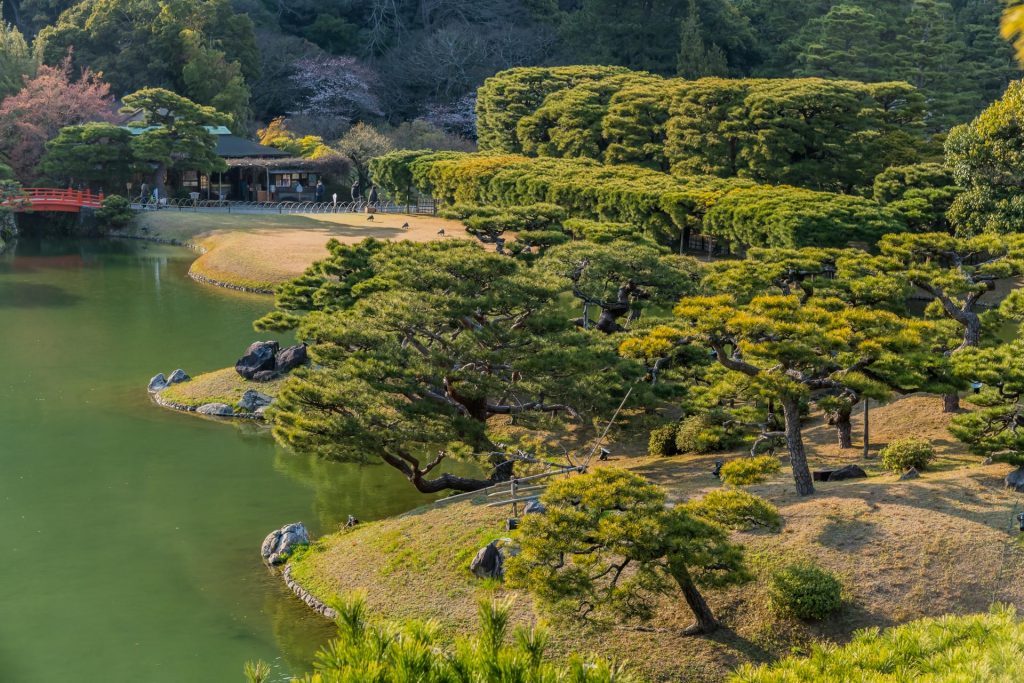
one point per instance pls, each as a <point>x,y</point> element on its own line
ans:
<point>951,403</point>
<point>705,621</point>
<point>795,446</point>
<point>844,428</point>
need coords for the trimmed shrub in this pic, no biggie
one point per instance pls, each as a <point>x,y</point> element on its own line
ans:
<point>737,510</point>
<point>805,591</point>
<point>663,440</point>
<point>705,434</point>
<point>116,212</point>
<point>743,471</point>
<point>902,454</point>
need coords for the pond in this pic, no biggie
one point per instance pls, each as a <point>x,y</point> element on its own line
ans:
<point>132,533</point>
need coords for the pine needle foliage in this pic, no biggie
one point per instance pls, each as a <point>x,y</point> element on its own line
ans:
<point>976,647</point>
<point>367,651</point>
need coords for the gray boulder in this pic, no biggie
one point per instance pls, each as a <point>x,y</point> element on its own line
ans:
<point>258,357</point>
<point>158,383</point>
<point>489,562</point>
<point>265,376</point>
<point>279,544</point>
<point>1015,480</point>
<point>178,376</point>
<point>912,473</point>
<point>218,409</point>
<point>290,358</point>
<point>534,507</point>
<point>848,472</point>
<point>252,399</point>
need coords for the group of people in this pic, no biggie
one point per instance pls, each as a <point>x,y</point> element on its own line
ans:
<point>147,196</point>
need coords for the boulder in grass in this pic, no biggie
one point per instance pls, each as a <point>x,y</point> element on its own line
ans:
<point>177,377</point>
<point>252,400</point>
<point>848,472</point>
<point>259,357</point>
<point>1015,480</point>
<point>158,383</point>
<point>292,357</point>
<point>912,473</point>
<point>280,543</point>
<point>216,409</point>
<point>265,376</point>
<point>488,563</point>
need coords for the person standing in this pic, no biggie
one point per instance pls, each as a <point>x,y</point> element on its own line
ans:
<point>319,192</point>
<point>143,192</point>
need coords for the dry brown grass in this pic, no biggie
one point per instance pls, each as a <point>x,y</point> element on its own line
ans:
<point>262,251</point>
<point>942,543</point>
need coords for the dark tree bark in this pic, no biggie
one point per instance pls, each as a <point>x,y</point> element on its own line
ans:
<point>795,445</point>
<point>705,621</point>
<point>411,468</point>
<point>844,428</point>
<point>951,403</point>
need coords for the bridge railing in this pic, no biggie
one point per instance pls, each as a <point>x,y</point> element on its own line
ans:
<point>42,196</point>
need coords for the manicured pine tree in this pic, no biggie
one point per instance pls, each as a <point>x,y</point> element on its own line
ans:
<point>608,546</point>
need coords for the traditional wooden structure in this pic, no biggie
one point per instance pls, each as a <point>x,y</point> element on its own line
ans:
<point>54,200</point>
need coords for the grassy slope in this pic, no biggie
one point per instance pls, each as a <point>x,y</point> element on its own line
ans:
<point>262,251</point>
<point>939,544</point>
<point>219,386</point>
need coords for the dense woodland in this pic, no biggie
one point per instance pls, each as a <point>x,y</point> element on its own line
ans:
<point>398,60</point>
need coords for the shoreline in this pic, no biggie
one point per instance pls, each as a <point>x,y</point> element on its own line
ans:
<point>200,250</point>
<point>182,408</point>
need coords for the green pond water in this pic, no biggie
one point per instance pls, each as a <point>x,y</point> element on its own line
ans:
<point>131,533</point>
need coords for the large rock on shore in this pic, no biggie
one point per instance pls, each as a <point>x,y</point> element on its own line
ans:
<point>218,409</point>
<point>259,357</point>
<point>177,376</point>
<point>158,383</point>
<point>290,358</point>
<point>279,544</point>
<point>252,400</point>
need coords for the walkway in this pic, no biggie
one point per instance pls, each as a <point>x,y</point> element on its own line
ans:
<point>54,200</point>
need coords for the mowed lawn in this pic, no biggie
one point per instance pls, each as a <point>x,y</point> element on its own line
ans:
<point>261,251</point>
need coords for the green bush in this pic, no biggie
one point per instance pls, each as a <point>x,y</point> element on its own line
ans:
<point>949,648</point>
<point>737,510</point>
<point>902,454</point>
<point>805,591</point>
<point>705,433</point>
<point>116,212</point>
<point>663,440</point>
<point>743,471</point>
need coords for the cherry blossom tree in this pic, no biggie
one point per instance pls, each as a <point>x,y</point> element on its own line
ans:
<point>336,87</point>
<point>49,101</point>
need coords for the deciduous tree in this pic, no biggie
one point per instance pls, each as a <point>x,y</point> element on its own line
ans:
<point>50,101</point>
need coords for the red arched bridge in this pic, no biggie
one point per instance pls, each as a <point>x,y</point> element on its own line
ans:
<point>52,199</point>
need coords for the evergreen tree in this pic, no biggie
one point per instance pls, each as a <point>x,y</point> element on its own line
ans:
<point>16,60</point>
<point>696,59</point>
<point>606,543</point>
<point>99,153</point>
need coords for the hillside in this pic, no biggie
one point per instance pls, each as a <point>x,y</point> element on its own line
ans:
<point>904,549</point>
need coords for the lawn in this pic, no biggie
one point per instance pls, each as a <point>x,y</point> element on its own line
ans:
<point>945,542</point>
<point>219,386</point>
<point>259,252</point>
